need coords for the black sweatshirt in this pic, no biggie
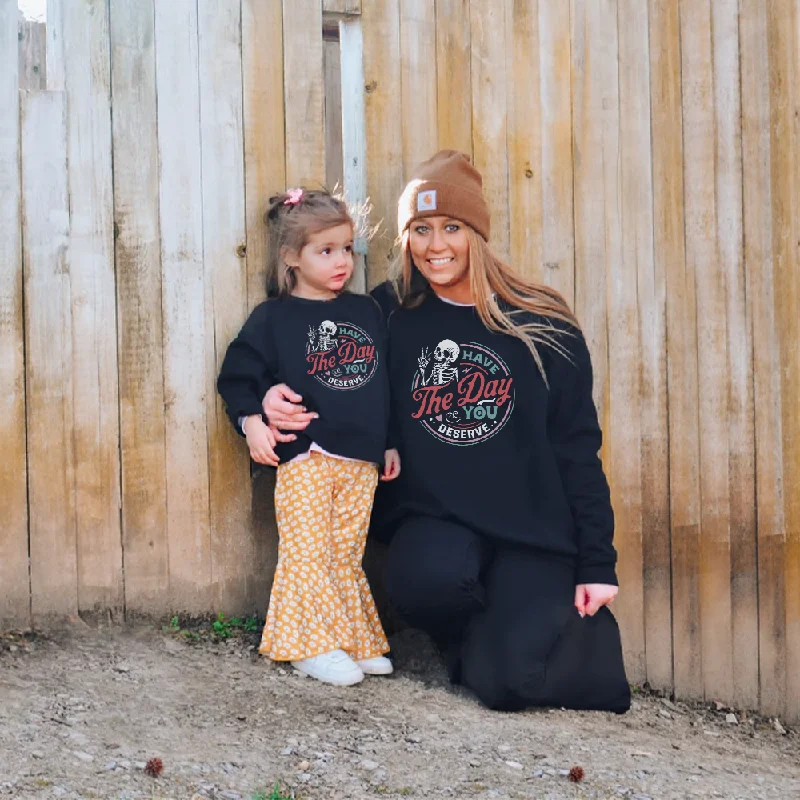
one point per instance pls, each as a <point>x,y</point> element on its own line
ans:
<point>333,353</point>
<point>484,442</point>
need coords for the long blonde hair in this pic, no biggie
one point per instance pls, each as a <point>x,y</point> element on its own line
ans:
<point>493,281</point>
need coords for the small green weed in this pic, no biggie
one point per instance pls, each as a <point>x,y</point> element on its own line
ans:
<point>276,794</point>
<point>224,628</point>
<point>173,626</point>
<point>221,627</point>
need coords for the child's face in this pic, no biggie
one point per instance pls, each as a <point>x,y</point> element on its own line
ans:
<point>325,264</point>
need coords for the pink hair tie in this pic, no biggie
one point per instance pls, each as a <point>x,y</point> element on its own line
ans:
<point>295,196</point>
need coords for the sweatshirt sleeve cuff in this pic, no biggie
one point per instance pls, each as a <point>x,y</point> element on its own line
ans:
<point>596,573</point>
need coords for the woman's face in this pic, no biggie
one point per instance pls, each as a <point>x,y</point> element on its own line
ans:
<point>440,249</point>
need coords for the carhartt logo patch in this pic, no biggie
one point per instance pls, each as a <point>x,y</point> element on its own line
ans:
<point>426,201</point>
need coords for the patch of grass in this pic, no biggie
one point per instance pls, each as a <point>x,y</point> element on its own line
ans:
<point>224,628</point>
<point>220,627</point>
<point>277,793</point>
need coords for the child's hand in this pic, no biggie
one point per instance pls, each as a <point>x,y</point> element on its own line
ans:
<point>261,441</point>
<point>391,465</point>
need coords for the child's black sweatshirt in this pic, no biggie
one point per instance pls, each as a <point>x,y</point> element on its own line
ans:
<point>485,443</point>
<point>333,353</point>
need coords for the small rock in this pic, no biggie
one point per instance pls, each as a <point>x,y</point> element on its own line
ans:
<point>110,766</point>
<point>564,773</point>
<point>83,756</point>
<point>539,773</point>
<point>59,791</point>
<point>473,762</point>
<point>513,764</point>
<point>304,777</point>
<point>292,742</point>
<point>719,706</point>
<point>670,705</point>
<point>12,648</point>
<point>369,765</point>
<point>228,794</point>
<point>776,724</point>
<point>503,748</point>
<point>413,737</point>
<point>37,754</point>
<point>122,667</point>
<point>664,713</point>
<point>124,764</point>
<point>140,764</point>
<point>303,766</point>
<point>731,719</point>
<point>241,717</point>
<point>287,751</point>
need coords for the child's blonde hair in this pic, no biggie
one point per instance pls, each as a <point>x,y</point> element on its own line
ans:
<point>292,218</point>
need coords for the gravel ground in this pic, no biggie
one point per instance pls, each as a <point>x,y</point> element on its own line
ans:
<point>83,709</point>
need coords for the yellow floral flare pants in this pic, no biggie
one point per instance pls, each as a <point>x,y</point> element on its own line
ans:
<point>321,600</point>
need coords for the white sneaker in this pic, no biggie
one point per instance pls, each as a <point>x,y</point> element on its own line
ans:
<point>335,667</point>
<point>380,665</point>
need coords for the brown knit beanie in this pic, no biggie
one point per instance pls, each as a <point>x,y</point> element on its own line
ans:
<point>446,185</point>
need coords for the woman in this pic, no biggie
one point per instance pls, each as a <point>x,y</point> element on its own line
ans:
<point>503,528</point>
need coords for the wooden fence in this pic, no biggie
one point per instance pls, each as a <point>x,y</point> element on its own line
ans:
<point>642,156</point>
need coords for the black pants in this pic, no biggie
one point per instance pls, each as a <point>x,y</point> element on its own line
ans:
<point>505,618</point>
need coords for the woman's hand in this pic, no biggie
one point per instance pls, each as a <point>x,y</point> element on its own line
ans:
<point>260,440</point>
<point>391,465</point>
<point>591,597</point>
<point>283,410</point>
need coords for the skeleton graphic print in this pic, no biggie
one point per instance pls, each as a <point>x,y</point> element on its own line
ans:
<point>463,393</point>
<point>340,355</point>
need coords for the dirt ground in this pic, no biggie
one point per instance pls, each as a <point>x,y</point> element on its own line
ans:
<point>82,710</point>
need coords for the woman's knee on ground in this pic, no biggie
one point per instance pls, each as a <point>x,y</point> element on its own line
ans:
<point>576,665</point>
<point>433,572</point>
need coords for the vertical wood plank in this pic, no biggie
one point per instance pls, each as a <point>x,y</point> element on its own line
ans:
<point>489,114</point>
<point>54,56</point>
<point>334,168</point>
<point>759,267</point>
<point>558,245</point>
<point>670,256</point>
<point>702,263</point>
<point>385,177</point>
<point>453,72</point>
<point>183,306</point>
<point>354,132</point>
<point>304,92</point>
<point>85,36</point>
<point>741,446</point>
<point>628,393</point>
<point>14,575</point>
<point>418,96</point>
<point>785,108</point>
<point>223,198</point>
<point>265,175</point>
<point>647,272</point>
<point>48,350</point>
<point>138,261</point>
<point>264,135</point>
<point>32,55</point>
<point>524,138</point>
<point>605,294</point>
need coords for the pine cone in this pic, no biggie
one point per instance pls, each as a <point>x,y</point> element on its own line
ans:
<point>576,774</point>
<point>154,767</point>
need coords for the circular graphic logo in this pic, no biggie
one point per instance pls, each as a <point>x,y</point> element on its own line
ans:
<point>340,355</point>
<point>463,393</point>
